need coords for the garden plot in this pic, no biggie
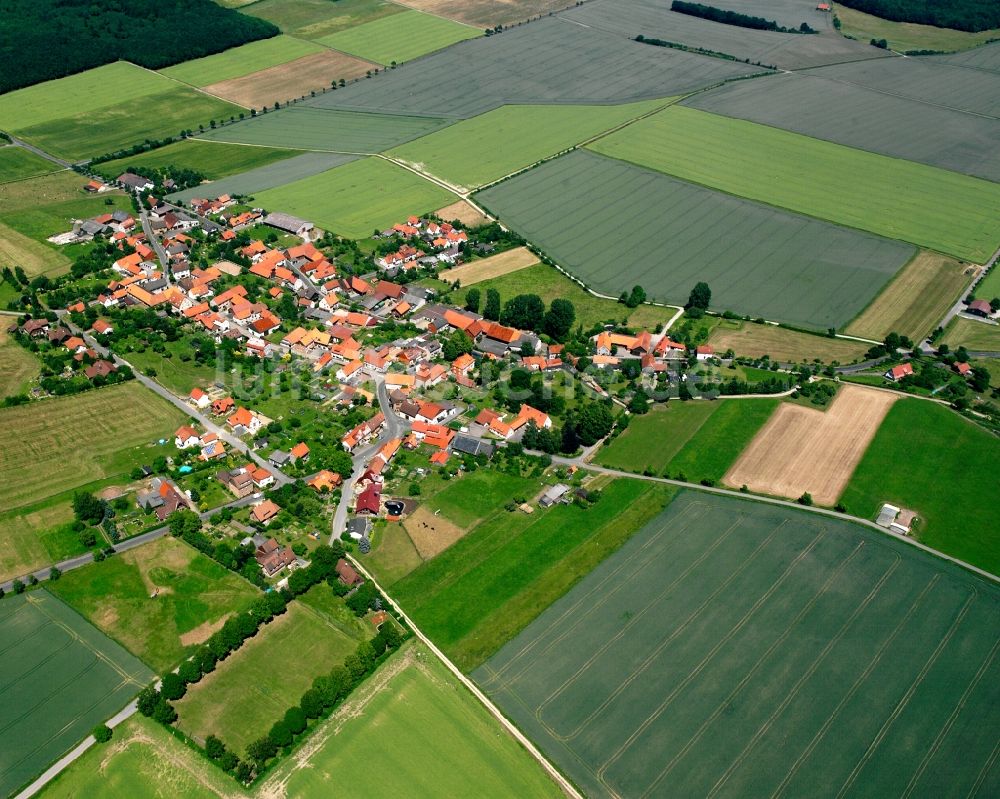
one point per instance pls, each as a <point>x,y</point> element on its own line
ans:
<point>861,117</point>
<point>757,260</point>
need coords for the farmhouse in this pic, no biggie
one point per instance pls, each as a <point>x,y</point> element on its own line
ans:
<point>897,373</point>
<point>289,224</point>
<point>980,308</point>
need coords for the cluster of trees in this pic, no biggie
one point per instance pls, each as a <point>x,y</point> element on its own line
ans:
<point>585,425</point>
<point>186,525</point>
<point>769,385</point>
<point>818,393</point>
<point>963,15</point>
<point>525,312</point>
<point>735,18</point>
<point>634,298</point>
<point>326,692</point>
<point>42,41</point>
<point>889,345</point>
<point>183,177</point>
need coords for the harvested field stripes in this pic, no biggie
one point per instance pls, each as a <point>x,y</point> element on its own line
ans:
<point>802,450</point>
<point>813,104</point>
<point>801,656</point>
<point>951,213</point>
<point>758,260</point>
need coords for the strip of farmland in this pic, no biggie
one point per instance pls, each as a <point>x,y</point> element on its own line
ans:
<point>615,225</point>
<point>736,649</point>
<point>303,128</point>
<point>861,117</point>
<point>654,19</point>
<point>944,211</point>
<point>548,61</point>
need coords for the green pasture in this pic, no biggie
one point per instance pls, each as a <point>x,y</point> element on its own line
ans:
<point>17,163</point>
<point>47,219</point>
<point>357,198</point>
<point>305,128</point>
<point>930,207</point>
<point>989,286</point>
<point>487,147</point>
<point>972,334</point>
<point>239,61</point>
<point>154,598</point>
<point>732,648</point>
<point>61,678</point>
<point>18,366</point>
<point>399,37</point>
<point>90,132</point>
<point>929,459</point>
<point>246,694</point>
<point>212,159</point>
<point>83,93</point>
<point>444,743</point>
<point>311,19</point>
<point>36,536</point>
<point>903,36</point>
<point>650,441</point>
<point>486,587</point>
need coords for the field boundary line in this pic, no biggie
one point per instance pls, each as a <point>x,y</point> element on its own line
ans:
<point>833,577</point>
<point>757,604</point>
<point>858,682</point>
<point>188,85</point>
<point>950,722</point>
<point>905,700</point>
<point>981,777</point>
<point>651,657</point>
<point>568,788</point>
<point>806,675</point>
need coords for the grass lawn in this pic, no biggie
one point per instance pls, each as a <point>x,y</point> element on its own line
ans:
<point>85,133</point>
<point>485,588</point>
<point>781,344</point>
<point>194,595</point>
<point>716,445</point>
<point>550,284</point>
<point>444,743</point>
<point>142,761</point>
<point>55,188</point>
<point>213,159</point>
<point>54,445</point>
<point>249,691</point>
<point>36,536</point>
<point>927,458</point>
<point>972,335</point>
<point>488,147</point>
<point>314,18</point>
<point>930,207</point>
<point>652,440</point>
<point>393,555</point>
<point>17,163</point>
<point>903,36</point>
<point>354,199</point>
<point>242,60</point>
<point>399,37</point>
<point>17,366</point>
<point>916,299</point>
<point>48,219</point>
<point>477,495</point>
<point>35,258</point>
<point>61,678</point>
<point>989,286</point>
<point>177,375</point>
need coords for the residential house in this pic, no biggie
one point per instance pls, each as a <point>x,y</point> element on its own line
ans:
<point>897,373</point>
<point>264,512</point>
<point>273,557</point>
<point>186,437</point>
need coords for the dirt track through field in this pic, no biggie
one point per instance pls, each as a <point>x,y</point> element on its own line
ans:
<point>494,266</point>
<point>803,450</point>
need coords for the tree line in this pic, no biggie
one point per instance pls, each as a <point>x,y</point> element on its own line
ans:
<point>42,41</point>
<point>963,15</point>
<point>727,17</point>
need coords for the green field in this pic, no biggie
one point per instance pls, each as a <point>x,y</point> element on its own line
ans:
<point>18,367</point>
<point>972,335</point>
<point>492,145</point>
<point>305,128</point>
<point>17,163</point>
<point>486,587</point>
<point>732,648</point>
<point>212,159</point>
<point>699,440</point>
<point>444,743</point>
<point>399,37</point>
<point>989,286</point>
<point>83,93</point>
<point>194,595</point>
<point>357,198</point>
<point>930,207</point>
<point>927,458</point>
<point>239,61</point>
<point>36,536</point>
<point>782,344</point>
<point>550,284</point>
<point>110,128</point>
<point>58,444</point>
<point>903,36</point>
<point>61,677</point>
<point>47,219</point>
<point>313,18</point>
<point>247,693</point>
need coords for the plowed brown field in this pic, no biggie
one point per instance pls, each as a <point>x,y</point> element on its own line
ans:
<point>803,450</point>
